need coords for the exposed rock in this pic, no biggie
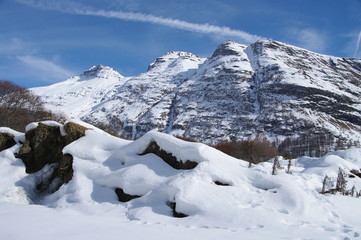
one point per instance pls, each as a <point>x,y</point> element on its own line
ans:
<point>60,173</point>
<point>221,183</point>
<point>154,148</point>
<point>100,71</point>
<point>73,132</point>
<point>176,214</point>
<point>355,172</point>
<point>44,145</point>
<point>124,197</point>
<point>225,49</point>
<point>6,141</point>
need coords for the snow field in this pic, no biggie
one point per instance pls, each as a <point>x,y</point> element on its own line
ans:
<point>221,195</point>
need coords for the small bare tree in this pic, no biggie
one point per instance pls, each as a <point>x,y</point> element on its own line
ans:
<point>19,106</point>
<point>353,191</point>
<point>276,165</point>
<point>289,166</point>
<point>341,181</point>
<point>324,184</point>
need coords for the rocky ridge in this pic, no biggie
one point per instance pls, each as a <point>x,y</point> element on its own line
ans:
<point>306,102</point>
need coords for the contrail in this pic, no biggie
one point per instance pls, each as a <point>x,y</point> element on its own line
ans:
<point>174,23</point>
<point>358,44</point>
<point>72,8</point>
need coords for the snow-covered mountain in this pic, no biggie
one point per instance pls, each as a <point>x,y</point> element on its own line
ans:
<point>78,95</point>
<point>144,189</point>
<point>306,102</point>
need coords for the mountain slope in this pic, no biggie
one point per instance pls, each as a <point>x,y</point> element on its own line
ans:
<point>306,102</point>
<point>77,96</point>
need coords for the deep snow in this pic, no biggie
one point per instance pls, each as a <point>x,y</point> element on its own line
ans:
<point>254,205</point>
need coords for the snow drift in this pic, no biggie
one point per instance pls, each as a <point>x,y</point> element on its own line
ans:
<point>218,192</point>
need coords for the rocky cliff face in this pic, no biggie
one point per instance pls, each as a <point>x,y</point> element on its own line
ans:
<point>310,99</point>
<point>307,103</point>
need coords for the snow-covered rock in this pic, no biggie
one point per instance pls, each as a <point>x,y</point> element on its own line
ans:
<point>306,102</point>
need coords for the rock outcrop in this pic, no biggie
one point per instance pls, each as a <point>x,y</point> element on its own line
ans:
<point>6,141</point>
<point>124,197</point>
<point>43,146</point>
<point>154,148</point>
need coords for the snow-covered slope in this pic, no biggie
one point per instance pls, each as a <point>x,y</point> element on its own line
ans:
<point>306,102</point>
<point>220,194</point>
<point>146,98</point>
<point>77,96</point>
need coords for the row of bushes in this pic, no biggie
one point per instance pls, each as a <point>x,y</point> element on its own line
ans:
<point>253,151</point>
<point>19,107</point>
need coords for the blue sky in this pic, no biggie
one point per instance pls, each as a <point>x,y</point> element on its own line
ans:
<point>47,41</point>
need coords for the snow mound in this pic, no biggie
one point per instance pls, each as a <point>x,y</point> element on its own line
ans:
<point>12,170</point>
<point>218,192</point>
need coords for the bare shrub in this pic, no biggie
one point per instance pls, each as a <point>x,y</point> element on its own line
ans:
<point>341,185</point>
<point>253,151</point>
<point>341,181</point>
<point>325,181</point>
<point>276,165</point>
<point>19,107</point>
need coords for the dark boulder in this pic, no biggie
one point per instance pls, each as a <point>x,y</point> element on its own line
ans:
<point>219,183</point>
<point>44,145</point>
<point>73,132</point>
<point>154,148</point>
<point>6,141</point>
<point>125,197</point>
<point>173,206</point>
<point>355,172</point>
<point>61,173</point>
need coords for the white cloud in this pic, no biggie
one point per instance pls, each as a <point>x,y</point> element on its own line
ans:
<point>45,70</point>
<point>176,23</point>
<point>10,46</point>
<point>212,30</point>
<point>310,39</point>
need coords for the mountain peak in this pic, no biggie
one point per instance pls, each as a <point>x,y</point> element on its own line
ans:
<point>100,71</point>
<point>229,48</point>
<point>170,58</point>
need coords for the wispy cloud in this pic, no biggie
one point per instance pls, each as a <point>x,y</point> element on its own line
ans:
<point>212,30</point>
<point>10,45</point>
<point>45,70</point>
<point>309,38</point>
